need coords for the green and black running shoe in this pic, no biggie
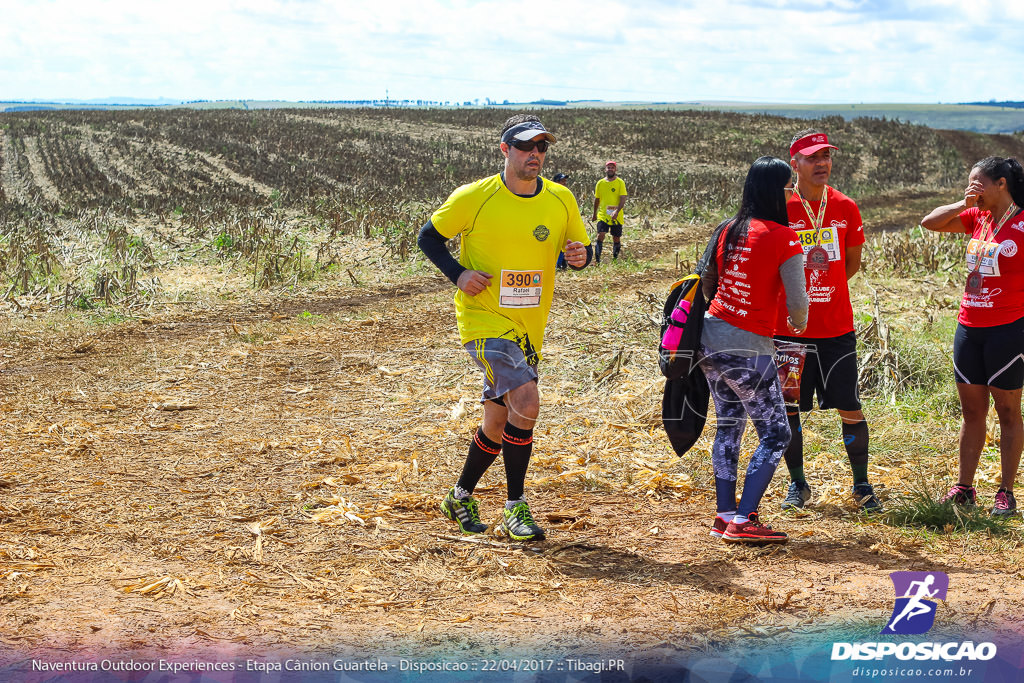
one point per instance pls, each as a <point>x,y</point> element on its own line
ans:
<point>519,524</point>
<point>867,501</point>
<point>797,495</point>
<point>465,512</point>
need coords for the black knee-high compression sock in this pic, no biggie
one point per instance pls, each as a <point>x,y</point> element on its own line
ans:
<point>598,248</point>
<point>616,248</point>
<point>517,445</point>
<point>795,451</point>
<point>855,438</point>
<point>482,453</point>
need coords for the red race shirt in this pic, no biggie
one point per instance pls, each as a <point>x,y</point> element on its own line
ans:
<point>830,313</point>
<point>749,285</point>
<point>1001,299</point>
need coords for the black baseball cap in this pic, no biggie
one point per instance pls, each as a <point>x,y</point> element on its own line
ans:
<point>527,130</point>
<point>559,177</point>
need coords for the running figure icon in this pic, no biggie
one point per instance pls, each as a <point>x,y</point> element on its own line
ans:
<point>913,607</point>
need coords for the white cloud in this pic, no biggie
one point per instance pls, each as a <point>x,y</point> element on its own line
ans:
<point>763,50</point>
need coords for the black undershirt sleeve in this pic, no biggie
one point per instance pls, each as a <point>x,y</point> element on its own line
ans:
<point>432,244</point>
<point>590,257</point>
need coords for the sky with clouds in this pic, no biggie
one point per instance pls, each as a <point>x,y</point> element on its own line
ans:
<point>801,51</point>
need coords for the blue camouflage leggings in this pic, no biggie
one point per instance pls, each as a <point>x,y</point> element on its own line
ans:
<point>741,387</point>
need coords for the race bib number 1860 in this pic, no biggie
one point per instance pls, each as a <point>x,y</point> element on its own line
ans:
<point>521,288</point>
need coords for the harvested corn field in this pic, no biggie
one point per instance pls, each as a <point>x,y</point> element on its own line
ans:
<point>238,466</point>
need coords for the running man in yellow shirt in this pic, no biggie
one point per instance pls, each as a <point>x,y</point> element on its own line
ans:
<point>609,198</point>
<point>511,226</point>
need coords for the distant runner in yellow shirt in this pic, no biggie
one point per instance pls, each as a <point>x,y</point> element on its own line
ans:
<point>609,198</point>
<point>512,227</point>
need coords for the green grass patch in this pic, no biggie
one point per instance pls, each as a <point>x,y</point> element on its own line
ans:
<point>311,318</point>
<point>922,508</point>
<point>101,315</point>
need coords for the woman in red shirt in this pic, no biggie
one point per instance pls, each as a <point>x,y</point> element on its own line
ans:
<point>757,254</point>
<point>988,349</point>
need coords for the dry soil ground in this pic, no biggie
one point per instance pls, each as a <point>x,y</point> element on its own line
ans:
<point>261,475</point>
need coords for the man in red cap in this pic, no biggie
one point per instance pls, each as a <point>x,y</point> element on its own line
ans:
<point>832,235</point>
<point>609,198</point>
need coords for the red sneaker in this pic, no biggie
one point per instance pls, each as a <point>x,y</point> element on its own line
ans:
<point>719,525</point>
<point>752,531</point>
<point>718,528</point>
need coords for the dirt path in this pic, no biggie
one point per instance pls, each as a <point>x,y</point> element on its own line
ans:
<point>265,476</point>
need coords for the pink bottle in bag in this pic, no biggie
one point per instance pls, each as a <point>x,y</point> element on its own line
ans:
<point>674,332</point>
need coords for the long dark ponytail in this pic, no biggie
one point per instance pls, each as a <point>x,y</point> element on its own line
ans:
<point>763,198</point>
<point>995,168</point>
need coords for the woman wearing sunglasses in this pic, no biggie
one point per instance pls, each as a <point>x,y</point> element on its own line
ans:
<point>988,348</point>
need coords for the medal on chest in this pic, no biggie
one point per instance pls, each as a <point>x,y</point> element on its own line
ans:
<point>975,283</point>
<point>986,250</point>
<point>817,258</point>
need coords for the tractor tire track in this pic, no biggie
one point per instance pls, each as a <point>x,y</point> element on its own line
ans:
<point>38,169</point>
<point>103,156</point>
<point>15,187</point>
<point>214,164</point>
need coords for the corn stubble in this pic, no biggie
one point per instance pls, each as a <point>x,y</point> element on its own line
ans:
<point>293,465</point>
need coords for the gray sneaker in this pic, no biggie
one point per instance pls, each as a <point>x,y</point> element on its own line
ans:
<point>465,512</point>
<point>519,525</point>
<point>797,495</point>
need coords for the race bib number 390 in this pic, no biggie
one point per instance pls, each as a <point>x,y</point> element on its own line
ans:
<point>521,288</point>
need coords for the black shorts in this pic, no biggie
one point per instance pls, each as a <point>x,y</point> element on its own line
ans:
<point>830,371</point>
<point>614,228</point>
<point>990,356</point>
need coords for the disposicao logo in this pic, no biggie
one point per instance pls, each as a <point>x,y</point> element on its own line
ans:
<point>913,614</point>
<point>914,611</point>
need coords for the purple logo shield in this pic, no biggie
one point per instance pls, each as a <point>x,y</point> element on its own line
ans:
<point>914,611</point>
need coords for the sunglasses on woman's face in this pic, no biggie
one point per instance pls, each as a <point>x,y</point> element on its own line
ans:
<point>528,145</point>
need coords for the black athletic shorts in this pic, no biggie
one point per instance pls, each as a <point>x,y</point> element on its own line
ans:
<point>615,228</point>
<point>830,371</point>
<point>990,356</point>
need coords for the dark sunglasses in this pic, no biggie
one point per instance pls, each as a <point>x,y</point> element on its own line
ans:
<point>528,145</point>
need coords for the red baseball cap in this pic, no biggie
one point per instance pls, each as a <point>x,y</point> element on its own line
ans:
<point>809,144</point>
<point>611,163</point>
